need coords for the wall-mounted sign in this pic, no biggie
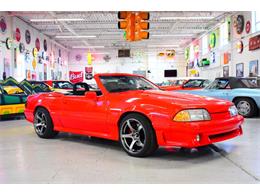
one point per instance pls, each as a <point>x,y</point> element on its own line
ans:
<point>248,27</point>
<point>239,24</point>
<point>8,43</point>
<point>35,52</point>
<point>38,44</point>
<point>27,37</point>
<point>88,72</point>
<point>17,34</point>
<point>226,58</point>
<point>76,76</point>
<point>3,25</point>
<point>45,46</point>
<point>21,48</point>
<point>212,57</point>
<point>212,40</point>
<point>204,62</point>
<point>170,54</point>
<point>187,53</point>
<point>239,46</point>
<point>34,63</point>
<point>254,43</point>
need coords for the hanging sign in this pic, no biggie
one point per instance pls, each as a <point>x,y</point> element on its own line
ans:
<point>239,46</point>
<point>89,57</point>
<point>254,43</point>
<point>76,76</point>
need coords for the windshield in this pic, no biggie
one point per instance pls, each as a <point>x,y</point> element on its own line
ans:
<point>196,83</point>
<point>42,85</point>
<point>62,85</point>
<point>126,83</point>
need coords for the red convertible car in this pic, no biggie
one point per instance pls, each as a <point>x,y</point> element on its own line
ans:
<point>132,110</point>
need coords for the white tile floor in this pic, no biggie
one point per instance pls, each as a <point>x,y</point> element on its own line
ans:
<point>25,158</point>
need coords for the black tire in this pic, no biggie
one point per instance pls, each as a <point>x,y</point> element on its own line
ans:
<point>44,126</point>
<point>145,143</point>
<point>246,103</point>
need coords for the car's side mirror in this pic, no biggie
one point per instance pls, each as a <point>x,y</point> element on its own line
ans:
<point>92,95</point>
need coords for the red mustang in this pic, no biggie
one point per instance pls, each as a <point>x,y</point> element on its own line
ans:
<point>130,109</point>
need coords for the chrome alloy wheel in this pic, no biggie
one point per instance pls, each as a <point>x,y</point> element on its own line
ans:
<point>40,123</point>
<point>243,108</point>
<point>133,135</point>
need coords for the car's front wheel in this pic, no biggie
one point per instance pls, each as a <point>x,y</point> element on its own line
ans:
<point>43,125</point>
<point>246,107</point>
<point>137,136</point>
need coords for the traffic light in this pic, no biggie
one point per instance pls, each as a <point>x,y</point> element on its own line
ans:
<point>127,22</point>
<point>141,25</point>
<point>135,25</point>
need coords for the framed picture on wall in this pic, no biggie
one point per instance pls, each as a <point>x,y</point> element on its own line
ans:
<point>240,70</point>
<point>253,68</point>
<point>225,71</point>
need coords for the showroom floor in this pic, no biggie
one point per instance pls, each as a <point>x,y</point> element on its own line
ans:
<point>24,158</point>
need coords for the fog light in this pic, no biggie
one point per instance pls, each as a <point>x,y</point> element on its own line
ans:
<point>198,138</point>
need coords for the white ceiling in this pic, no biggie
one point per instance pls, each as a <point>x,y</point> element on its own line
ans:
<point>178,30</point>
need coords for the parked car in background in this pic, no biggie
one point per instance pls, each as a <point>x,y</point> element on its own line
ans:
<point>12,97</point>
<point>42,85</point>
<point>134,111</point>
<point>244,92</point>
<point>190,84</point>
<point>60,86</point>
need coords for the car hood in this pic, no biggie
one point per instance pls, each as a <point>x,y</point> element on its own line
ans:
<point>186,101</point>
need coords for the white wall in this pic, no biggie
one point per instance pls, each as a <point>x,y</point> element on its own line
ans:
<point>19,71</point>
<point>141,60</point>
<point>216,69</point>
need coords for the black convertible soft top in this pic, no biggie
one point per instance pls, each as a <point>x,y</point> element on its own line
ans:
<point>236,82</point>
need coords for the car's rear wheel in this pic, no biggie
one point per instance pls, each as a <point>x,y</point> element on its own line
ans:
<point>246,107</point>
<point>43,124</point>
<point>137,136</point>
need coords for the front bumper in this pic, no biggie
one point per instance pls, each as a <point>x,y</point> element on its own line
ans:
<point>195,134</point>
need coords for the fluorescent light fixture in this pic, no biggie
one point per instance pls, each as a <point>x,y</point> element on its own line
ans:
<point>57,19</point>
<point>163,45</point>
<point>172,35</point>
<point>88,47</point>
<point>75,36</point>
<point>188,18</point>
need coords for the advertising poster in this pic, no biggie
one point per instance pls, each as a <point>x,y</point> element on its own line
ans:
<point>253,68</point>
<point>240,70</point>
<point>76,76</point>
<point>225,71</point>
<point>88,72</point>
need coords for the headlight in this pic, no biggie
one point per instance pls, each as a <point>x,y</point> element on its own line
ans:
<point>233,110</point>
<point>192,115</point>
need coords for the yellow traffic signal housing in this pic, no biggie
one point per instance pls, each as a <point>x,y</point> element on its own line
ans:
<point>135,24</point>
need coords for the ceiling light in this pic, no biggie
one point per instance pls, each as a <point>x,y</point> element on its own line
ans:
<point>75,36</point>
<point>57,19</point>
<point>88,47</point>
<point>188,18</point>
<point>163,45</point>
<point>172,35</point>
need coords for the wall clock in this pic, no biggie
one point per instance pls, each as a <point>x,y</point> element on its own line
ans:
<point>8,43</point>
<point>248,27</point>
